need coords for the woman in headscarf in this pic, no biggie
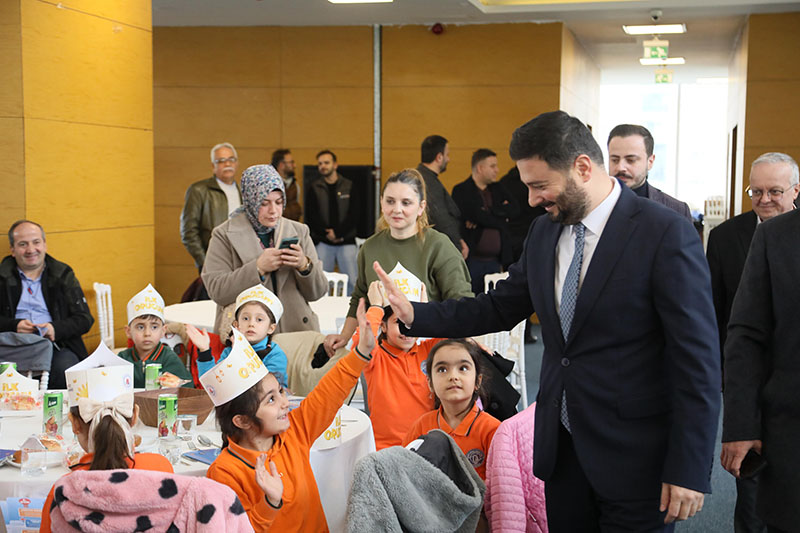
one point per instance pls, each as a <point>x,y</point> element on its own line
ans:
<point>257,245</point>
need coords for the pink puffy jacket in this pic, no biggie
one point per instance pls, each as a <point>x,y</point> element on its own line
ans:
<point>514,496</point>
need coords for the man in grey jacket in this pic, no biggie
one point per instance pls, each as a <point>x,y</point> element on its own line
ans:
<point>443,213</point>
<point>630,158</point>
<point>209,202</point>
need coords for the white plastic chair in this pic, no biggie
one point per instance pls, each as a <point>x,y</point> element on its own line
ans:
<point>105,313</point>
<point>490,280</point>
<point>337,283</point>
<point>511,345</point>
<point>44,379</point>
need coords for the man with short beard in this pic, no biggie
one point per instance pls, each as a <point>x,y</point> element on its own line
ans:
<point>628,405</point>
<point>443,213</point>
<point>332,213</point>
<point>283,162</point>
<point>630,158</point>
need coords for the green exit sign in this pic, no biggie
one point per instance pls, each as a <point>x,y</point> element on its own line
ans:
<point>656,49</point>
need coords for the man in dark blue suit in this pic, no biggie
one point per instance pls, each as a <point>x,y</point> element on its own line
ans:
<point>629,399</point>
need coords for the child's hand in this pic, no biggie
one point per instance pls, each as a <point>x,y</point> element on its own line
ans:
<point>270,482</point>
<point>375,294</point>
<point>366,340</point>
<point>199,338</point>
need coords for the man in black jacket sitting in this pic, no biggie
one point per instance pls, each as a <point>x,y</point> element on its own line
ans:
<point>42,296</point>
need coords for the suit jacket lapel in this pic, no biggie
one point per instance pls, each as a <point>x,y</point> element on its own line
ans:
<point>745,232</point>
<point>546,279</point>
<point>618,230</point>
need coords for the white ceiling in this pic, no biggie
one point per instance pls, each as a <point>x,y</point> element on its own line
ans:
<point>713,25</point>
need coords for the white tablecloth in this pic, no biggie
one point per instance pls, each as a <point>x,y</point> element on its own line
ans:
<point>333,468</point>
<point>331,311</point>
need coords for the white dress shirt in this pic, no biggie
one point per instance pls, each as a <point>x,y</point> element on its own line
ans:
<point>595,222</point>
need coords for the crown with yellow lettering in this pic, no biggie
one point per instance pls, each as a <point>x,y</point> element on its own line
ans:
<point>12,383</point>
<point>102,376</point>
<point>147,302</point>
<point>260,294</point>
<point>407,282</point>
<point>236,373</point>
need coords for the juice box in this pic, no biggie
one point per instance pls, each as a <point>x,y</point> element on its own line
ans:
<point>167,415</point>
<point>53,413</point>
<point>151,373</point>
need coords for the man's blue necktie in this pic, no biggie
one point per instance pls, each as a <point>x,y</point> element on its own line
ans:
<point>569,296</point>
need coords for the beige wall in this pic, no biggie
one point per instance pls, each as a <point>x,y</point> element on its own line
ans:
<point>260,88</point>
<point>580,81</point>
<point>78,112</point>
<point>773,85</point>
<point>765,83</point>
<point>473,84</point>
<point>311,88</point>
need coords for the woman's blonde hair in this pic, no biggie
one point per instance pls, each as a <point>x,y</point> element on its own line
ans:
<point>412,178</point>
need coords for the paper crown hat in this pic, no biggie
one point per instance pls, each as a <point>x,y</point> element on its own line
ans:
<point>261,294</point>
<point>146,302</point>
<point>102,376</point>
<point>407,282</point>
<point>14,383</point>
<point>235,374</point>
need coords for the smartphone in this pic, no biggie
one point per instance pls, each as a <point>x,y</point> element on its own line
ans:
<point>752,464</point>
<point>287,242</point>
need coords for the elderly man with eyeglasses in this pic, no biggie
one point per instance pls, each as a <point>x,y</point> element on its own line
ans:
<point>209,202</point>
<point>774,185</point>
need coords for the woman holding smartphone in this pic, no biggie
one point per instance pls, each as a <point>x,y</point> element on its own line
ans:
<point>256,244</point>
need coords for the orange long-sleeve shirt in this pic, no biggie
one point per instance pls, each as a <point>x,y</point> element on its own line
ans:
<point>141,461</point>
<point>473,435</point>
<point>397,386</point>
<point>301,509</point>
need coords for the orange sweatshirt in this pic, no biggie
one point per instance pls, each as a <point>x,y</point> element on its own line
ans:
<point>473,435</point>
<point>301,509</point>
<point>397,386</point>
<point>141,461</point>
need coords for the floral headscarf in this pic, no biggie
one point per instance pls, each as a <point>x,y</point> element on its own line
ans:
<point>257,182</point>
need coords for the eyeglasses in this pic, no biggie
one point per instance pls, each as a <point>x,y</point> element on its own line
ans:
<point>225,160</point>
<point>772,194</point>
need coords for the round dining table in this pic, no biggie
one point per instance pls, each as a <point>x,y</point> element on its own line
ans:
<point>333,467</point>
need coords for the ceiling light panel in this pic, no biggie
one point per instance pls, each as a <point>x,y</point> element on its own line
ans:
<point>654,29</point>
<point>655,61</point>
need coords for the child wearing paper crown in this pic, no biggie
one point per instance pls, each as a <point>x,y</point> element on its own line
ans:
<point>146,327</point>
<point>397,379</point>
<point>102,414</point>
<point>265,456</point>
<point>257,313</point>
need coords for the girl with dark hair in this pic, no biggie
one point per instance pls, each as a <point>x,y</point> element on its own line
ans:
<point>404,236</point>
<point>457,380</point>
<point>397,376</point>
<point>265,456</point>
<point>103,429</point>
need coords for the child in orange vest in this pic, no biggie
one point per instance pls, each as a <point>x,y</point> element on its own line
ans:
<point>397,379</point>
<point>456,379</point>
<point>265,456</point>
